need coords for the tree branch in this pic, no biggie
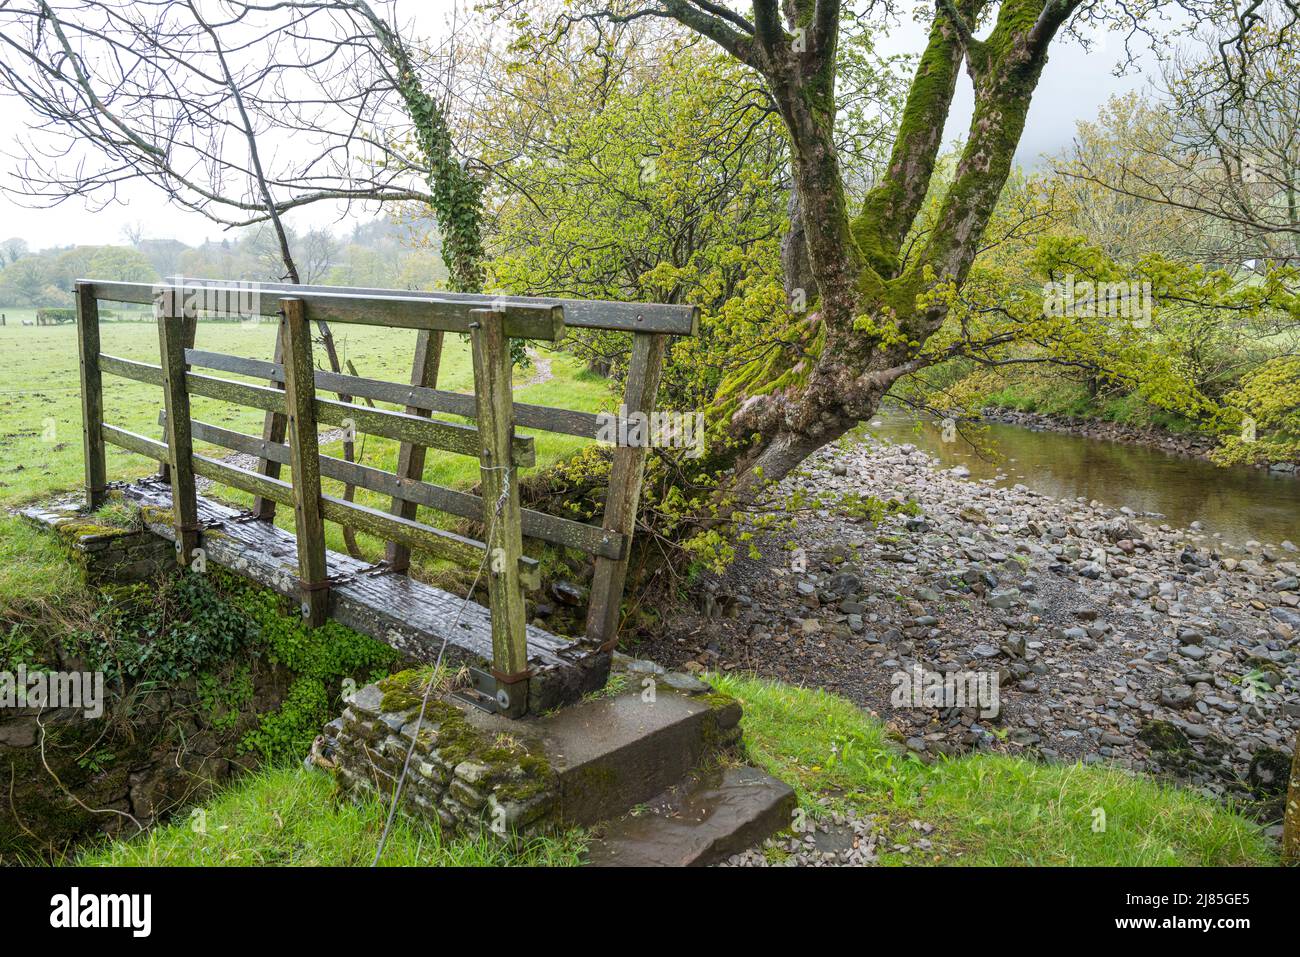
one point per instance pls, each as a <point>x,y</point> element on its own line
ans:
<point>768,31</point>
<point>890,208</point>
<point>825,28</point>
<point>964,34</point>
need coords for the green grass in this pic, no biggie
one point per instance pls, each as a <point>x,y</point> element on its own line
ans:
<point>815,741</point>
<point>289,817</point>
<point>34,567</point>
<point>16,315</point>
<point>1056,397</point>
<point>986,809</point>
<point>40,413</point>
<point>1008,811</point>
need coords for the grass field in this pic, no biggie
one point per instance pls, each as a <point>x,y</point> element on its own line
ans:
<point>985,810</point>
<point>40,415</point>
<point>16,317</point>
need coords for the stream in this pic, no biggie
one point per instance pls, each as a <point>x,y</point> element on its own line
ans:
<point>1232,505</point>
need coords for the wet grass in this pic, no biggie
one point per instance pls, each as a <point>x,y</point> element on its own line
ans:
<point>40,411</point>
<point>289,817</point>
<point>34,567</point>
<point>1009,811</point>
<point>986,809</point>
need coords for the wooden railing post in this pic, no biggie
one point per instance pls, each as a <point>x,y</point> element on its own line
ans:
<point>625,475</point>
<point>300,407</point>
<point>92,395</point>
<point>169,308</point>
<point>190,327</point>
<point>410,457</point>
<point>503,532</point>
<point>273,427</point>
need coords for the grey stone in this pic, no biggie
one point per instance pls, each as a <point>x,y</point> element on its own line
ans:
<point>1177,696</point>
<point>702,822</point>
<point>1004,599</point>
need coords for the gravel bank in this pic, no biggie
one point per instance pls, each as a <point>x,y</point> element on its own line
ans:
<point>1113,637</point>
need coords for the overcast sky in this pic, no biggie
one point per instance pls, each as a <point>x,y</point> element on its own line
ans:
<point>1074,84</point>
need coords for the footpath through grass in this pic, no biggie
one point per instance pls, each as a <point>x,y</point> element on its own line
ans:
<point>987,810</point>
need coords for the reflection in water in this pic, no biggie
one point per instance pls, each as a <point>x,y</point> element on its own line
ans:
<point>1237,504</point>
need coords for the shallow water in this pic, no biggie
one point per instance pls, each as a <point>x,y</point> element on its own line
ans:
<point>1233,504</point>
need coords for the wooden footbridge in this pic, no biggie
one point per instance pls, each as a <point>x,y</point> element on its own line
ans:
<point>516,667</point>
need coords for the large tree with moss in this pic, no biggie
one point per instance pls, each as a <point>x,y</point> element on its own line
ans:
<point>880,286</point>
<point>871,314</point>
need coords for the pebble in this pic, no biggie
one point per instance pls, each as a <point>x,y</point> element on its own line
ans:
<point>1101,625</point>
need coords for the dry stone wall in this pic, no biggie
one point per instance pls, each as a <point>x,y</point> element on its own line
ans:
<point>467,777</point>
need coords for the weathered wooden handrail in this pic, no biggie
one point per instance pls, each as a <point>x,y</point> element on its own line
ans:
<point>542,525</point>
<point>294,411</point>
<point>563,421</point>
<point>434,433</point>
<point>579,313</point>
<point>436,541</point>
<point>427,311</point>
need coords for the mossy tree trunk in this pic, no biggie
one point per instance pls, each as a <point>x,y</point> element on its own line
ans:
<point>871,314</point>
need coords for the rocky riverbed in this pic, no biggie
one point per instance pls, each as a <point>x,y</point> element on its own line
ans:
<point>1112,636</point>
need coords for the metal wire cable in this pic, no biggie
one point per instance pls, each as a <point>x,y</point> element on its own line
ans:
<point>424,701</point>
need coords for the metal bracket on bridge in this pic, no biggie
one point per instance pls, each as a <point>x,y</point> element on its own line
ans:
<point>497,693</point>
<point>375,569</point>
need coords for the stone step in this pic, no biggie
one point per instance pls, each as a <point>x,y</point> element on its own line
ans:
<point>651,738</point>
<point>613,753</point>
<point>703,820</point>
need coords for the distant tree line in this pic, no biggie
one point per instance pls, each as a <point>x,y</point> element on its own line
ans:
<point>382,254</point>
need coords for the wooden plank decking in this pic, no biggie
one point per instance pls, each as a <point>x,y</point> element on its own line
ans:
<point>406,614</point>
